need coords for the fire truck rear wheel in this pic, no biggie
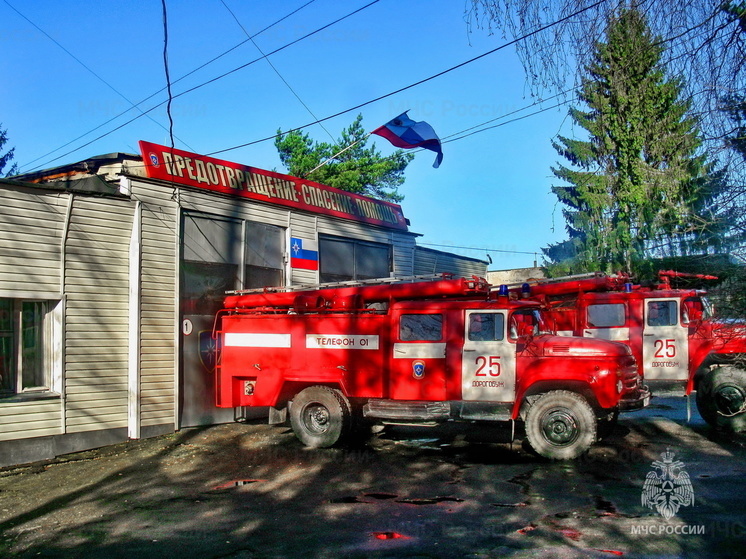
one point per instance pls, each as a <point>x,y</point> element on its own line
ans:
<point>320,416</point>
<point>721,398</point>
<point>561,425</point>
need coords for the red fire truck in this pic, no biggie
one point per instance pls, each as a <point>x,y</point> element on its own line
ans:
<point>673,334</point>
<point>418,352</point>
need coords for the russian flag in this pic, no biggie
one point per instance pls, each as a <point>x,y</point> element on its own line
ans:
<point>403,132</point>
<point>304,254</point>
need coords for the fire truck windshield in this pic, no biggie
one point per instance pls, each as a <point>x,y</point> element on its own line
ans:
<point>696,308</point>
<point>708,311</point>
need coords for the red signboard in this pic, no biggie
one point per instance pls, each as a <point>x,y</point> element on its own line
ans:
<point>201,171</point>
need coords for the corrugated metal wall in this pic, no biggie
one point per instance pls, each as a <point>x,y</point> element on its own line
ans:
<point>31,226</point>
<point>39,231</point>
<point>158,304</point>
<point>96,318</point>
<point>429,261</point>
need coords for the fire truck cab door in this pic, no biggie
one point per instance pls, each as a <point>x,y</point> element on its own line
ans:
<point>488,361</point>
<point>665,343</point>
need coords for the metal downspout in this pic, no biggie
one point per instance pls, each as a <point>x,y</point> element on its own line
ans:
<point>63,277</point>
<point>133,373</point>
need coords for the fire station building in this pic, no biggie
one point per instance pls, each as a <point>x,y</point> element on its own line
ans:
<point>112,268</point>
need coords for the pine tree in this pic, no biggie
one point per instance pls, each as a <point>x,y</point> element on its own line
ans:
<point>7,157</point>
<point>638,179</point>
<point>360,169</point>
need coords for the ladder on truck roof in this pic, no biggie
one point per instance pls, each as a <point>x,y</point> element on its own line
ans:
<point>591,281</point>
<point>548,281</point>
<point>349,283</point>
<point>357,295</point>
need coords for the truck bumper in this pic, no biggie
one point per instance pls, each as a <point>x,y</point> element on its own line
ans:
<point>637,402</point>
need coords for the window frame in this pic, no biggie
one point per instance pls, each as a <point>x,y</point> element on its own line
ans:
<point>51,348</point>
<point>235,265</point>
<point>615,324</point>
<point>356,245</point>
<point>404,317</point>
<point>497,330</point>
<point>672,315</point>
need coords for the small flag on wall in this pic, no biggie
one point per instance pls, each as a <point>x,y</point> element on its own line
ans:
<point>403,132</point>
<point>304,254</point>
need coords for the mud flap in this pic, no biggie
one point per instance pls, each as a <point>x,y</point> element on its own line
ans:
<point>278,415</point>
<point>688,409</point>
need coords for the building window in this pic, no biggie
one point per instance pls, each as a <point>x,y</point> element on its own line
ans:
<point>25,346</point>
<point>347,259</point>
<point>265,255</point>
<point>220,255</point>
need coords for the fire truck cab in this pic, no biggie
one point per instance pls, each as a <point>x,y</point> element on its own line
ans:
<point>673,334</point>
<point>418,352</point>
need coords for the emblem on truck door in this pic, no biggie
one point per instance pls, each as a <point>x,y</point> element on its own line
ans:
<point>418,369</point>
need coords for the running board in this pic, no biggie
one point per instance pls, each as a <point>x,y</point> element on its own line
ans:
<point>399,410</point>
<point>407,410</point>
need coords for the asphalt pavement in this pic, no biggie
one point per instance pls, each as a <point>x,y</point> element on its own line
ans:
<point>252,490</point>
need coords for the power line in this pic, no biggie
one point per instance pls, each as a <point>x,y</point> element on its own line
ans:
<point>88,68</point>
<point>168,77</point>
<point>136,105</point>
<point>356,107</point>
<point>214,80</point>
<point>560,94</point>
<point>318,121</point>
<point>508,121</point>
<point>276,71</point>
<point>479,249</point>
<point>420,82</point>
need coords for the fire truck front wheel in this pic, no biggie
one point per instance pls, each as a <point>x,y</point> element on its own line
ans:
<point>561,425</point>
<point>320,416</point>
<point>721,398</point>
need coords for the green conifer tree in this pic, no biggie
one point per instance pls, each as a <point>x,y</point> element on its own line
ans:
<point>7,157</point>
<point>638,179</point>
<point>360,169</point>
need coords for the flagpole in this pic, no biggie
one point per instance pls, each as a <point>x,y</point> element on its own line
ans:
<point>336,154</point>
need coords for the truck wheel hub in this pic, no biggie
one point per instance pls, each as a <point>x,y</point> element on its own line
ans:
<point>730,399</point>
<point>317,418</point>
<point>559,427</point>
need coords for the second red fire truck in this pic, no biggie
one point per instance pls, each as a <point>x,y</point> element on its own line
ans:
<point>418,352</point>
<point>675,337</point>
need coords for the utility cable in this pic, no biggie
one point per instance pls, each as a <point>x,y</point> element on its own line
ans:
<point>276,71</point>
<point>136,105</point>
<point>420,82</point>
<point>478,248</point>
<point>307,35</point>
<point>168,77</point>
<point>318,121</point>
<point>89,69</point>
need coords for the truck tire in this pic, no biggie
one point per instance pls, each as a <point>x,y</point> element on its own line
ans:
<point>320,416</point>
<point>561,425</point>
<point>721,398</point>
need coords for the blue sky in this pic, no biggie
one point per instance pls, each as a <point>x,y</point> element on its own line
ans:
<point>492,191</point>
